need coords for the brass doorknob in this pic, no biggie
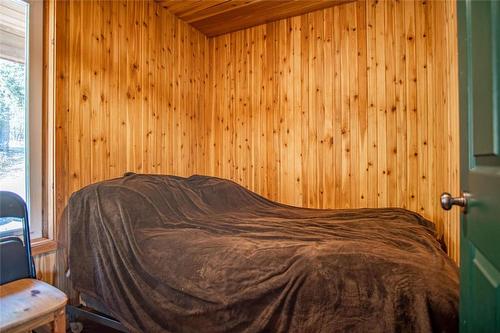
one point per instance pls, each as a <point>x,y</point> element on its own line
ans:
<point>447,201</point>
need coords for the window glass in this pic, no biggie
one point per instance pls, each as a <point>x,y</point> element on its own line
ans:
<point>13,115</point>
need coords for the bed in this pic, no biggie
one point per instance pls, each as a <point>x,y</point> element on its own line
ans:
<point>204,254</point>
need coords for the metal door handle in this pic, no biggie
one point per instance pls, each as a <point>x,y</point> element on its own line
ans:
<point>447,201</point>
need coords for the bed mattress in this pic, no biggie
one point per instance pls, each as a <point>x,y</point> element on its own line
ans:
<point>203,254</point>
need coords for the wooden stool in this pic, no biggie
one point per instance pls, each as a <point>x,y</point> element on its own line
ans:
<point>27,304</point>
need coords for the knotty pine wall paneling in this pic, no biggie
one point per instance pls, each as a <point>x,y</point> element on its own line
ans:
<point>348,107</point>
<point>351,106</point>
<point>46,268</point>
<point>131,82</point>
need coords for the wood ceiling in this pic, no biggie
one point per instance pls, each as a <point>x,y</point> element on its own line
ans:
<point>216,17</point>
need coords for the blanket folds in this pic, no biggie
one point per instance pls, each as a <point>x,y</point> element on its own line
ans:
<point>203,254</point>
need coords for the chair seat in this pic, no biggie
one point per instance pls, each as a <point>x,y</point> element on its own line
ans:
<point>28,300</point>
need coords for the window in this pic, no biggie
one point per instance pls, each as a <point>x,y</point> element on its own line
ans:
<point>21,50</point>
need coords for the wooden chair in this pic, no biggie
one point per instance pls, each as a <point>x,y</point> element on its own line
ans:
<point>25,303</point>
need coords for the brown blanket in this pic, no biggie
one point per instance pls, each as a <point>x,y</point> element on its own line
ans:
<point>203,254</point>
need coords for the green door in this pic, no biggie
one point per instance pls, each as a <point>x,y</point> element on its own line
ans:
<point>479,65</point>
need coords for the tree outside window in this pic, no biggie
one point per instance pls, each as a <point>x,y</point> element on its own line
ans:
<point>12,126</point>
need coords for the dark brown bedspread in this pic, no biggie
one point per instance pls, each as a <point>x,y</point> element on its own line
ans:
<point>203,254</point>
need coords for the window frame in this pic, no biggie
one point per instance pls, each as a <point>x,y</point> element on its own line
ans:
<point>33,127</point>
<point>40,131</point>
<point>46,243</point>
<point>33,117</point>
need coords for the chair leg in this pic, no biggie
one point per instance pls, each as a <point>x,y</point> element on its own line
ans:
<point>60,321</point>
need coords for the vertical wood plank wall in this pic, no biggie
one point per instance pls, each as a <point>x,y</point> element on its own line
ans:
<point>130,84</point>
<point>46,267</point>
<point>129,91</point>
<point>352,106</point>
